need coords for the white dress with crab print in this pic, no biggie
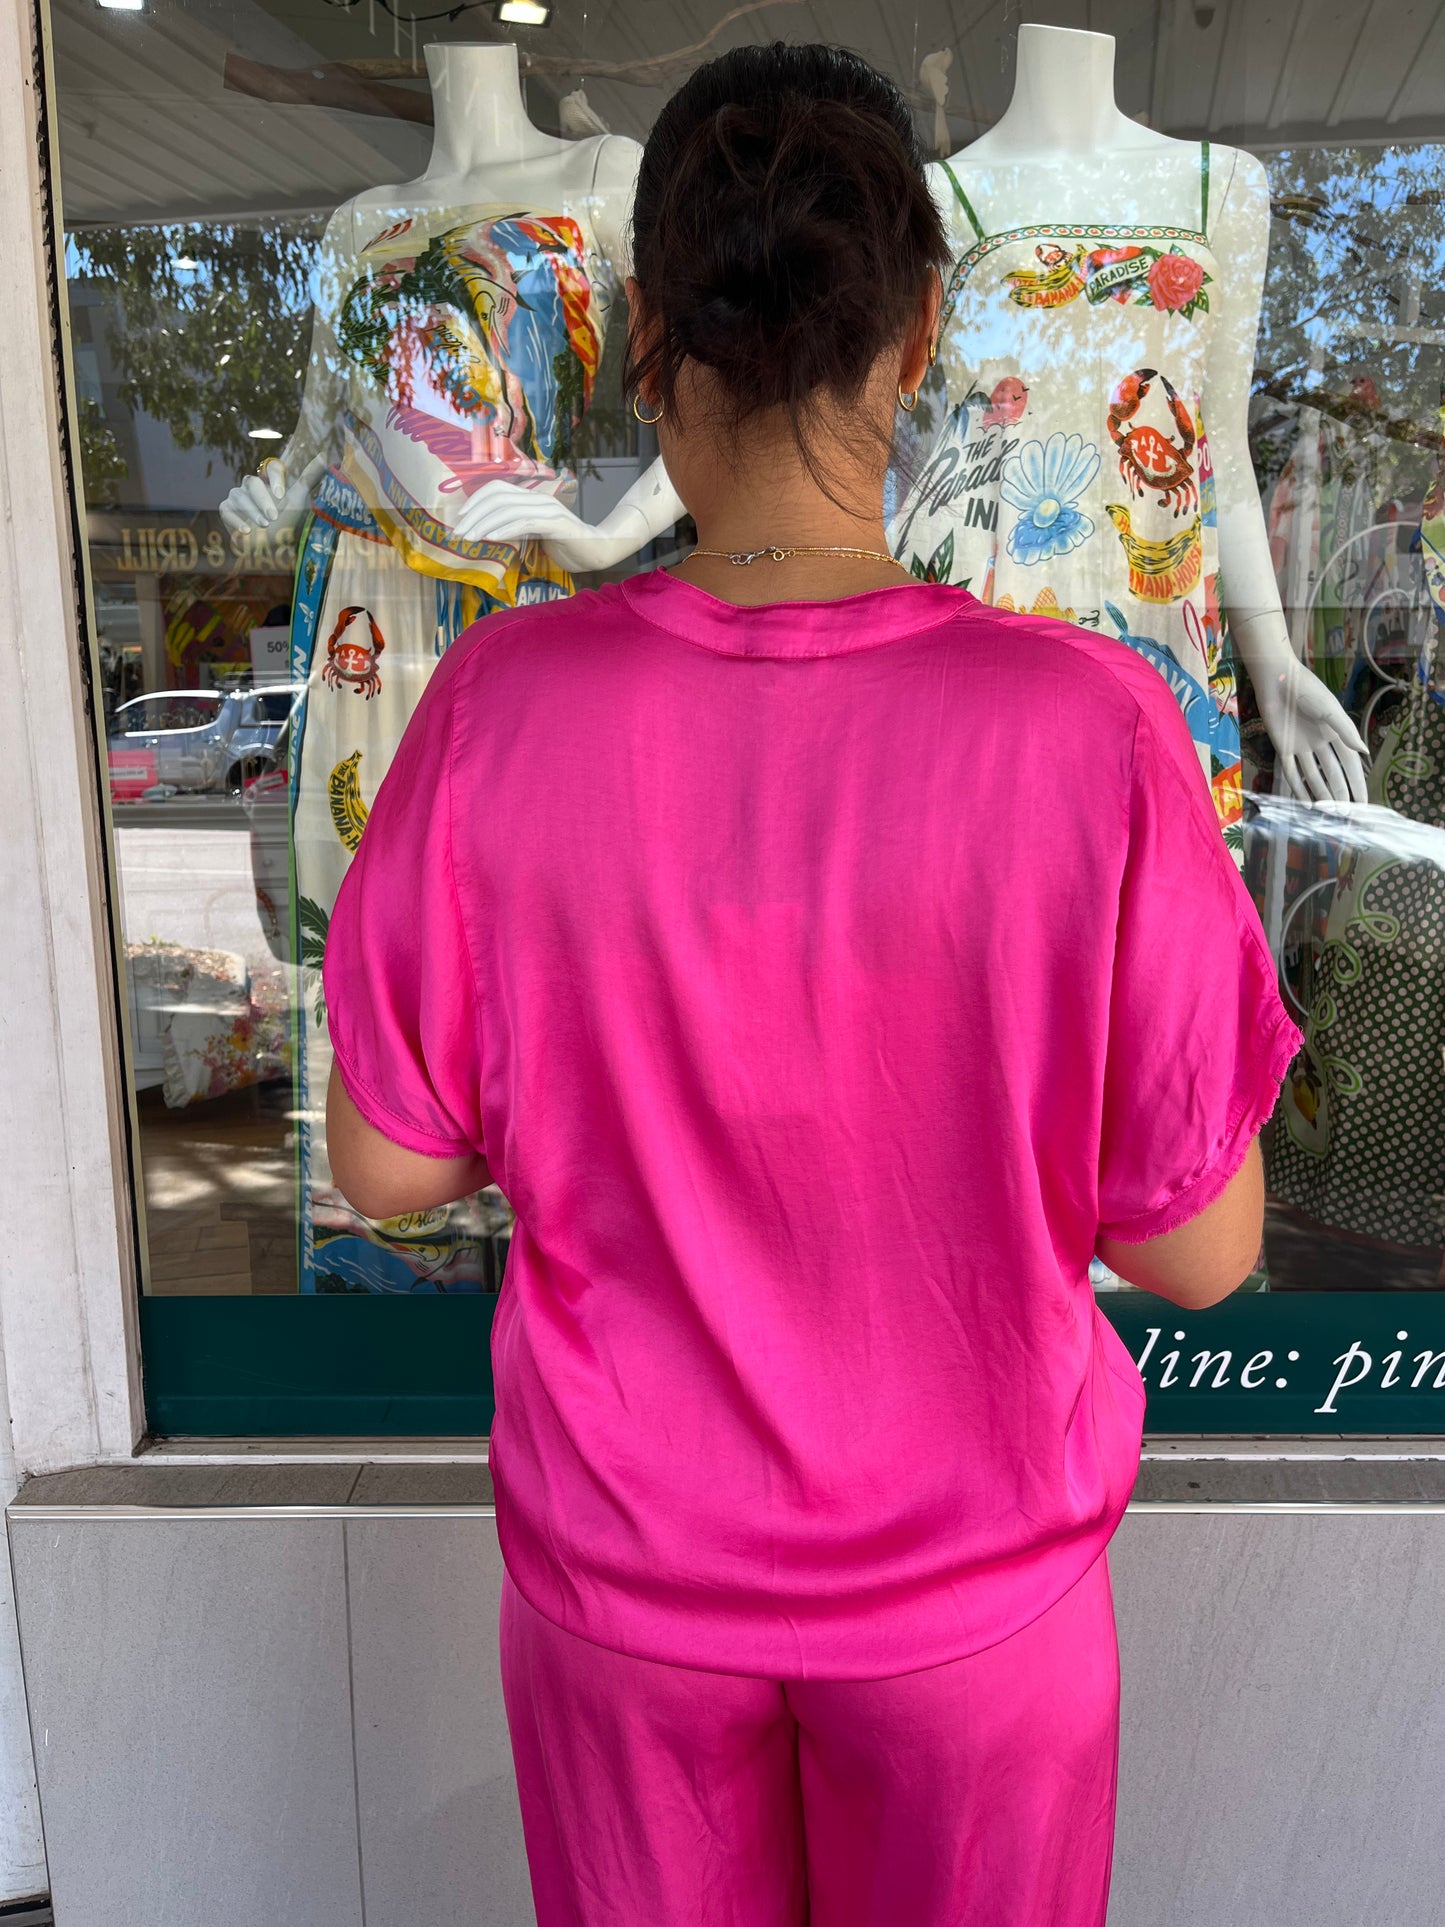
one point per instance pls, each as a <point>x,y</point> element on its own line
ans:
<point>1071,476</point>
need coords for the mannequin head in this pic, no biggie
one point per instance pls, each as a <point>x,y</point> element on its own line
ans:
<point>787,286</point>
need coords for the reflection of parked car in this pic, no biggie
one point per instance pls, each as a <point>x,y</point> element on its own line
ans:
<point>204,739</point>
<point>132,773</point>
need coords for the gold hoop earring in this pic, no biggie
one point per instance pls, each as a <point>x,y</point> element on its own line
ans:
<point>907,400</point>
<point>648,421</point>
<point>933,351</point>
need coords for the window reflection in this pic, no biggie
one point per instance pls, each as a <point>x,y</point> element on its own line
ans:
<point>258,320</point>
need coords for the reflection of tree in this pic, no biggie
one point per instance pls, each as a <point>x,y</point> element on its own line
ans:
<point>214,348</point>
<point>1357,251</point>
<point>101,461</point>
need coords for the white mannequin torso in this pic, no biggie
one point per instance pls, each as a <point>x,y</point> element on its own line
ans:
<point>485,147</point>
<point>1063,104</point>
<point>1064,158</point>
<point>488,156</point>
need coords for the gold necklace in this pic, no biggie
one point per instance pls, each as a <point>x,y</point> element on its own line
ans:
<point>745,558</point>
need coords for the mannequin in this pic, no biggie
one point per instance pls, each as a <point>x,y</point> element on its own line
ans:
<point>480,128</point>
<point>459,326</point>
<point>1063,140</point>
<point>1106,188</point>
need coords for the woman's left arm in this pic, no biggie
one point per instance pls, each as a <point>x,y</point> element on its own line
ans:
<point>382,1179</point>
<point>404,1130</point>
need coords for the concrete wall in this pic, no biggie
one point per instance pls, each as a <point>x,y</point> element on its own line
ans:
<point>69,1389</point>
<point>294,1714</point>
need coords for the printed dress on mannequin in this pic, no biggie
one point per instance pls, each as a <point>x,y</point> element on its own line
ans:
<point>1072,476</point>
<point>469,340</point>
<point>459,327</point>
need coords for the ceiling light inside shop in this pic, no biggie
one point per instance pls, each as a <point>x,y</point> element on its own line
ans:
<point>264,434</point>
<point>122,6</point>
<point>524,13</point>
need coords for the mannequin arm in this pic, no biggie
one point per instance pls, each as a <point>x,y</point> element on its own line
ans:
<point>282,485</point>
<point>508,512</point>
<point>1321,753</point>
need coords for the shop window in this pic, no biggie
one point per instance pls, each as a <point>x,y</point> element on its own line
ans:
<point>289,379</point>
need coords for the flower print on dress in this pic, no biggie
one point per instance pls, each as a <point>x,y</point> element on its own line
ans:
<point>1044,482</point>
<point>1176,283</point>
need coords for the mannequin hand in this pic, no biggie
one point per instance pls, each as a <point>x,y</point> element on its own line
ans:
<point>1321,754</point>
<point>266,497</point>
<point>508,512</point>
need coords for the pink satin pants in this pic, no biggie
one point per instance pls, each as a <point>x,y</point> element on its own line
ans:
<point>977,1794</point>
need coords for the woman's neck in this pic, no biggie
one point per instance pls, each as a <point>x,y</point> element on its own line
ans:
<point>760,491</point>
<point>736,528</point>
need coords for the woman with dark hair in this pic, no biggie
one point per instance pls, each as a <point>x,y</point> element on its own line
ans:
<point>826,967</point>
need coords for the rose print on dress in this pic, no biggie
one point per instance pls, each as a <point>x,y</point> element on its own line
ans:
<point>1044,482</point>
<point>1176,282</point>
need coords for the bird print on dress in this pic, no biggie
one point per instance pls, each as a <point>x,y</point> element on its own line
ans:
<point>1006,404</point>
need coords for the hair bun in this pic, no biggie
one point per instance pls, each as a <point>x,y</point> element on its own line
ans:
<point>783,226</point>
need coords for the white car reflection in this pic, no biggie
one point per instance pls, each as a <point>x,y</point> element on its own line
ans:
<point>197,739</point>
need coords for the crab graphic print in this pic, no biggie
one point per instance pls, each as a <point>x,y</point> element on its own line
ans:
<point>354,663</point>
<point>1071,471</point>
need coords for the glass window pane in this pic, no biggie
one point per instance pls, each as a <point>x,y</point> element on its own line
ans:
<point>293,376</point>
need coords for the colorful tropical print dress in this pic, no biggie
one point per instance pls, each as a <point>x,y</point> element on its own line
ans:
<point>469,339</point>
<point>1072,475</point>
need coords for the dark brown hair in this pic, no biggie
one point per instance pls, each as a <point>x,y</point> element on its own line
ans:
<point>783,230</point>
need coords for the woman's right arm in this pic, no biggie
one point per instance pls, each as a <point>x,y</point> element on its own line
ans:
<point>1199,1039</point>
<point>1200,1262</point>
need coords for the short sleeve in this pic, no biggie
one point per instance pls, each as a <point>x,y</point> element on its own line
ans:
<point>401,1000</point>
<point>1198,1037</point>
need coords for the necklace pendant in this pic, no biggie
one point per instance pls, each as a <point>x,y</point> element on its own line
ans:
<point>744,558</point>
